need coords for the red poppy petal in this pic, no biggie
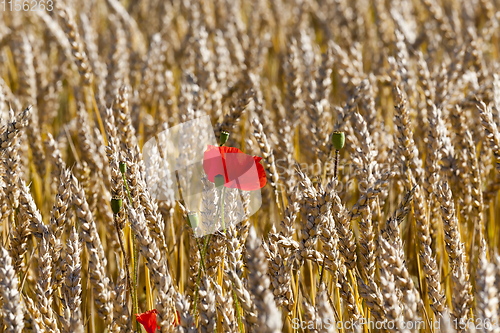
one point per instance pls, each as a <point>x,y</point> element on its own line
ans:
<point>244,172</point>
<point>238,164</point>
<point>239,169</point>
<point>213,164</point>
<point>148,320</point>
<point>214,161</point>
<point>262,174</point>
<point>230,150</point>
<point>261,171</point>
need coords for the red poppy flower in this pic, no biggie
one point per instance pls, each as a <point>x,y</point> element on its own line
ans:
<point>239,169</point>
<point>148,320</point>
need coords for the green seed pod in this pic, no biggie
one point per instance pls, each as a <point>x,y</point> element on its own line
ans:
<point>338,140</point>
<point>116,205</point>
<point>223,137</point>
<point>219,181</point>
<point>123,167</point>
<point>193,220</point>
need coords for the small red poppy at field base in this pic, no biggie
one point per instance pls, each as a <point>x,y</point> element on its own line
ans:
<point>148,320</point>
<point>240,170</point>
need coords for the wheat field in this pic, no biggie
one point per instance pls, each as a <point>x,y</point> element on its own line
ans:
<point>372,128</point>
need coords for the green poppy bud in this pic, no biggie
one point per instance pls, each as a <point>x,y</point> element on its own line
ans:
<point>223,137</point>
<point>116,205</point>
<point>338,140</point>
<point>123,167</point>
<point>193,220</point>
<point>219,181</point>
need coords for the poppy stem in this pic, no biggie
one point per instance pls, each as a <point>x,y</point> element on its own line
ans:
<point>335,177</point>
<point>125,258</point>
<point>322,270</point>
<point>240,324</point>
<point>336,163</point>
<point>123,169</point>
<point>201,255</point>
<point>222,208</point>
